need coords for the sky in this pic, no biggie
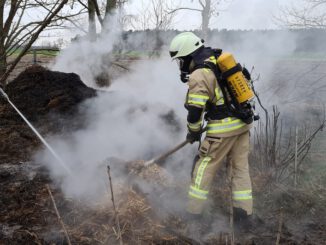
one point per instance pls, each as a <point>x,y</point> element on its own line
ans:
<point>235,14</point>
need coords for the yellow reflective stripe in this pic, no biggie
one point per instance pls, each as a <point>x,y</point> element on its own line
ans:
<point>224,127</point>
<point>195,126</point>
<point>196,102</point>
<point>197,196</point>
<point>201,170</point>
<point>204,97</point>
<point>243,192</point>
<point>197,99</point>
<point>197,193</point>
<point>228,119</point>
<point>242,195</point>
<point>219,96</point>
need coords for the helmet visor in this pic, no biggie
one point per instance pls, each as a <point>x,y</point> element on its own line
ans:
<point>173,53</point>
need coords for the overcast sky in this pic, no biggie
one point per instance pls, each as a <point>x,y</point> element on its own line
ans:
<point>237,14</point>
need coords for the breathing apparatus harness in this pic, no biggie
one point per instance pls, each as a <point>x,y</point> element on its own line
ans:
<point>232,107</point>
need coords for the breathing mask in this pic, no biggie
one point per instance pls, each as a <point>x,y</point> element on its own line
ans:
<point>184,66</point>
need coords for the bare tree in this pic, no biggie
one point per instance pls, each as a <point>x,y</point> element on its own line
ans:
<point>310,14</point>
<point>207,9</point>
<point>102,9</point>
<point>21,27</point>
<point>154,15</point>
<point>22,21</point>
<point>111,6</point>
<point>92,4</point>
<point>114,7</point>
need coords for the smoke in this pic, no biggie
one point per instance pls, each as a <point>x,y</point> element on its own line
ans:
<point>128,120</point>
<point>89,58</point>
<point>140,116</point>
<point>258,15</point>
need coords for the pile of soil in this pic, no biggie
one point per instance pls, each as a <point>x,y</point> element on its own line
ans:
<point>50,100</point>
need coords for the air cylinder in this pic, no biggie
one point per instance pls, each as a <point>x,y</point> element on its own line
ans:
<point>238,83</point>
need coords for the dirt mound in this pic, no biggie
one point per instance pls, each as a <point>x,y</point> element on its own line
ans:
<point>38,91</point>
<point>49,99</point>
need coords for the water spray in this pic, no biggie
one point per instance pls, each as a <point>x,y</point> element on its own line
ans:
<point>56,156</point>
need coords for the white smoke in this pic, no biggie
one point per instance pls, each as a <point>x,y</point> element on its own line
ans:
<point>87,58</point>
<point>126,121</point>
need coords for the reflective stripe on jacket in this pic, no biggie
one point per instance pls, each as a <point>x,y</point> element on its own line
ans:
<point>224,126</point>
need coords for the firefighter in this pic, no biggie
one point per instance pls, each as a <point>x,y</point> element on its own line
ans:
<point>227,133</point>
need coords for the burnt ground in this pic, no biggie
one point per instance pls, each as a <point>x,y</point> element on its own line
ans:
<point>53,103</point>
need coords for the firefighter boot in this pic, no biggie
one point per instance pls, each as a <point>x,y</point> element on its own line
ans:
<point>244,222</point>
<point>193,226</point>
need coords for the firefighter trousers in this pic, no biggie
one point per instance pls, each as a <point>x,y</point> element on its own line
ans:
<point>211,154</point>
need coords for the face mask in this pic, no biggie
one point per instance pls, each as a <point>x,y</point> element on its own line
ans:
<point>184,64</point>
<point>184,76</point>
<point>180,62</point>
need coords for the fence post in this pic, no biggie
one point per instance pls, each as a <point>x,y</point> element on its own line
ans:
<point>34,56</point>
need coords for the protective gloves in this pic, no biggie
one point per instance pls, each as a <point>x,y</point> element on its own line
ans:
<point>193,136</point>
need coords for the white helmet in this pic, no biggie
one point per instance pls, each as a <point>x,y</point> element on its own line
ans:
<point>184,44</point>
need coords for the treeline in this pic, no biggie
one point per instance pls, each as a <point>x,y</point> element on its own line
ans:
<point>301,40</point>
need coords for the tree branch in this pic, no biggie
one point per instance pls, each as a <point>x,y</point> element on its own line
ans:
<point>46,22</point>
<point>184,8</point>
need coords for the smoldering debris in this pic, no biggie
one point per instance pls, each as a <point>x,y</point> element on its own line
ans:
<point>145,205</point>
<point>27,215</point>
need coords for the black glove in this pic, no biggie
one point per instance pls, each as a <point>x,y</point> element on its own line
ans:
<point>193,136</point>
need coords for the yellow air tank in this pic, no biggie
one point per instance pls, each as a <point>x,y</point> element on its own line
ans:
<point>238,83</point>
